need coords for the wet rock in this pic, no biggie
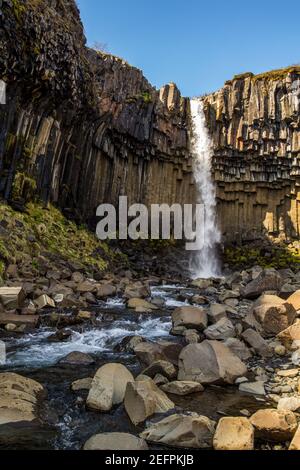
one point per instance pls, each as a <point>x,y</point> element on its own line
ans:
<point>164,368</point>
<point>143,399</point>
<point>108,387</point>
<point>177,430</point>
<point>202,283</point>
<point>82,384</point>
<point>249,321</point>
<point>44,301</point>
<point>12,297</point>
<point>115,441</point>
<point>199,300</point>
<point>89,285</point>
<point>85,315</point>
<point>253,388</point>
<point>289,403</point>
<point>210,362</point>
<point>238,348</point>
<point>77,358</point>
<point>274,425</point>
<point>216,312</point>
<point>222,329</point>
<point>182,387</point>
<point>295,443</point>
<point>290,334</point>
<point>234,434</point>
<point>267,280</point>
<point>259,345</point>
<point>273,313</point>
<point>189,317</point>
<point>228,294</point>
<point>128,343</point>
<point>61,335</point>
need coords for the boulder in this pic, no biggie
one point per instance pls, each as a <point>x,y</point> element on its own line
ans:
<point>137,290</point>
<point>238,348</point>
<point>165,368</point>
<point>192,336</point>
<point>253,388</point>
<point>234,434</point>
<point>191,431</point>
<point>143,398</point>
<point>259,345</point>
<point>128,343</point>
<point>228,294</point>
<point>210,362</point>
<point>105,290</point>
<point>81,384</point>
<point>189,317</point>
<point>77,358</point>
<point>12,297</point>
<point>19,398</point>
<point>222,329</point>
<point>267,280</point>
<point>108,387</point>
<point>216,312</point>
<point>182,387</point>
<point>273,313</point>
<point>290,334</point>
<point>274,425</point>
<point>140,304</point>
<point>115,441</point>
<point>44,301</point>
<point>289,403</point>
<point>149,352</point>
<point>294,299</point>
<point>12,318</point>
<point>295,443</point>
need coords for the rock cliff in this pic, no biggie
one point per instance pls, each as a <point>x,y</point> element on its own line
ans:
<point>254,122</point>
<point>81,127</point>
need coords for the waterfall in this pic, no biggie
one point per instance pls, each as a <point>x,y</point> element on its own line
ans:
<point>205,261</point>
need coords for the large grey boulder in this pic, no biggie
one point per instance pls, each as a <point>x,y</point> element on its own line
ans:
<point>223,329</point>
<point>108,386</point>
<point>143,399</point>
<point>273,313</point>
<point>189,317</point>
<point>177,430</point>
<point>210,362</point>
<point>115,441</point>
<point>267,280</point>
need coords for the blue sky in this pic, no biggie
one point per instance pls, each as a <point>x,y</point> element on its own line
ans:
<point>196,44</point>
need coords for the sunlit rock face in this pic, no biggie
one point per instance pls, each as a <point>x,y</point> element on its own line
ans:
<point>254,123</point>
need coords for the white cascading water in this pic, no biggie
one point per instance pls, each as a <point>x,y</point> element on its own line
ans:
<point>205,261</point>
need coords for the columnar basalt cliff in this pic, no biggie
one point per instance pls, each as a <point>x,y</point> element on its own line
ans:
<point>255,126</point>
<point>81,127</point>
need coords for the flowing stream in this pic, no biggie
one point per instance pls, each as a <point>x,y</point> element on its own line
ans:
<point>205,263</point>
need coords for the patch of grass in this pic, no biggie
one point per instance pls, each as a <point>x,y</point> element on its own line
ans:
<point>275,257</point>
<point>18,9</point>
<point>41,230</point>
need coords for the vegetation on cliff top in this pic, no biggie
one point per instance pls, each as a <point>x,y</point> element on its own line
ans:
<point>271,75</point>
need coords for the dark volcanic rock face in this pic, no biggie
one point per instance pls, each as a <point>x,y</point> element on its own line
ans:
<point>81,127</point>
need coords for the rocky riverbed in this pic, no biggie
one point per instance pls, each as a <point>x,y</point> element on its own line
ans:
<point>197,364</point>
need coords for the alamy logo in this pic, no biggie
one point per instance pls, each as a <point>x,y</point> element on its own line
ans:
<point>2,92</point>
<point>161,222</point>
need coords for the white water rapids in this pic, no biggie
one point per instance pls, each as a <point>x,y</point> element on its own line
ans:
<point>205,262</point>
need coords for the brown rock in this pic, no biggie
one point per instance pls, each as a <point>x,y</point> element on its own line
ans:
<point>210,362</point>
<point>189,317</point>
<point>267,280</point>
<point>274,425</point>
<point>12,297</point>
<point>115,441</point>
<point>290,334</point>
<point>234,434</point>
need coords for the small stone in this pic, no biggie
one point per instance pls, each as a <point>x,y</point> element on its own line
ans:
<point>280,350</point>
<point>289,403</point>
<point>82,384</point>
<point>182,387</point>
<point>255,388</point>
